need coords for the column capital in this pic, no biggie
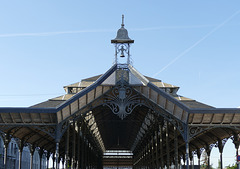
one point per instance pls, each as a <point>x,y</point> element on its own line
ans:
<point>198,153</point>
<point>48,155</point>
<point>21,144</point>
<point>190,156</point>
<point>6,140</point>
<point>32,148</point>
<point>236,143</point>
<point>220,146</point>
<point>41,152</point>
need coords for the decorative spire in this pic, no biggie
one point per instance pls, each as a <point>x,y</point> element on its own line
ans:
<point>122,35</point>
<point>122,21</point>
<point>122,43</point>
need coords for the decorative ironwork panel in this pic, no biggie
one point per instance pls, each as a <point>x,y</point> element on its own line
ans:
<point>122,75</point>
<point>122,99</point>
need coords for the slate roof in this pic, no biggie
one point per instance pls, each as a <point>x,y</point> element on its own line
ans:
<point>79,86</point>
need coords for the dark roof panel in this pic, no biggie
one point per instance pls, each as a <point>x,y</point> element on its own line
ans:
<point>195,104</point>
<point>49,103</point>
<point>94,78</point>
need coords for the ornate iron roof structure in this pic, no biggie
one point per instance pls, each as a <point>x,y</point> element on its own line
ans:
<point>121,110</point>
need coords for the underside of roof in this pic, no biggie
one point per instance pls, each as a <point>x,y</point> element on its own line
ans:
<point>96,103</point>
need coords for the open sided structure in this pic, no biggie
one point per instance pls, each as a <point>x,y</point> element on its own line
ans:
<point>120,111</point>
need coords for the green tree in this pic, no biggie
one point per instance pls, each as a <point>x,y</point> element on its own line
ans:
<point>219,164</point>
<point>233,166</point>
<point>204,161</point>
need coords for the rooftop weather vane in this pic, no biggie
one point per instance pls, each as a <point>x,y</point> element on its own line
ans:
<point>122,43</point>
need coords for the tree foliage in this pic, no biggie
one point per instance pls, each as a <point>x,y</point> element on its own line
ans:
<point>233,166</point>
<point>219,164</point>
<point>204,161</point>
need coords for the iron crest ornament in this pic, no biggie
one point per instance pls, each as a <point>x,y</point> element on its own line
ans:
<point>122,99</point>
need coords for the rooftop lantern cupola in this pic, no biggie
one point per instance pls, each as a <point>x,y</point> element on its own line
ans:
<point>122,43</point>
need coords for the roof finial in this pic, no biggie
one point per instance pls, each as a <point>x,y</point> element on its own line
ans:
<point>122,43</point>
<point>122,21</point>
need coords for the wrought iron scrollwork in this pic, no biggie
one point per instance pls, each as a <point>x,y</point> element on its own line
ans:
<point>194,131</point>
<point>122,100</point>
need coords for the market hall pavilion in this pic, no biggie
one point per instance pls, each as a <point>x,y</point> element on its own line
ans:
<point>120,119</point>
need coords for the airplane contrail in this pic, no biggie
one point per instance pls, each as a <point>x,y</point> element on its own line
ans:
<point>54,33</point>
<point>196,43</point>
<point>103,30</point>
<point>172,27</point>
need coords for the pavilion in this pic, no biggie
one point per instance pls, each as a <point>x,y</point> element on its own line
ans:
<point>120,119</point>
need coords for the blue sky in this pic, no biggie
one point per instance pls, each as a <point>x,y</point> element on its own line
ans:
<point>45,45</point>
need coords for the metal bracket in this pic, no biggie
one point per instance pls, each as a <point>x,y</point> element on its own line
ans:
<point>122,99</point>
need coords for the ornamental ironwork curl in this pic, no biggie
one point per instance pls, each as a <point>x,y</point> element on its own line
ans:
<point>122,100</point>
<point>194,131</point>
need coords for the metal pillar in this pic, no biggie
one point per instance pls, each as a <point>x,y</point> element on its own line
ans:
<point>152,151</point>
<point>53,159</point>
<point>57,155</point>
<point>83,157</point>
<point>89,157</point>
<point>140,158</point>
<point>20,146</point>
<point>208,151</point>
<point>191,160</point>
<point>149,155</point>
<point>7,139</point>
<point>184,161</point>
<point>187,155</point>
<point>176,147</point>
<point>41,151</point>
<point>67,148</point>
<point>220,148</point>
<point>161,146</point>
<point>199,156</point>
<point>48,156</point>
<point>179,163</point>
<point>92,158</point>
<point>143,157</point>
<point>146,156</point>
<point>63,160</point>
<point>32,150</point>
<point>186,139</point>
<point>167,146</point>
<point>157,147</point>
<point>236,143</point>
<point>86,154</point>
<point>20,159</point>
<point>74,147</point>
<point>78,147</point>
<point>221,161</point>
